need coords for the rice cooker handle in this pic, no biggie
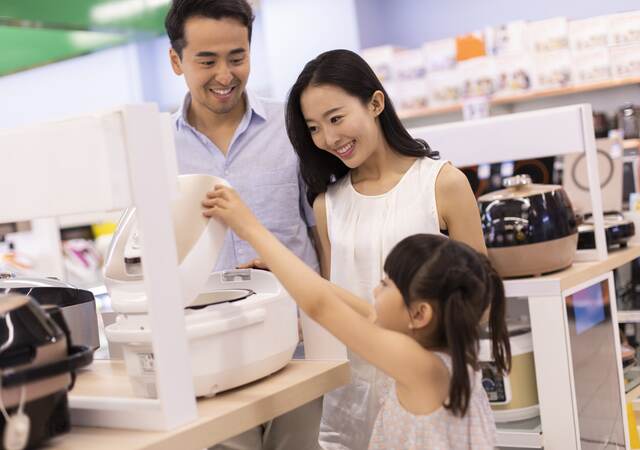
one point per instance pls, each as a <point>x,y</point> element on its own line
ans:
<point>226,325</point>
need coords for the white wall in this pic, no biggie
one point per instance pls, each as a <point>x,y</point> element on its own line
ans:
<point>296,31</point>
<point>89,83</point>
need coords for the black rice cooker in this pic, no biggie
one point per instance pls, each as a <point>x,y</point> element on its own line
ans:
<point>37,368</point>
<point>529,229</point>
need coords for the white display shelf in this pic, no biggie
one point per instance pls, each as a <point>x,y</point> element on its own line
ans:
<point>578,273</point>
<point>78,220</point>
<point>219,418</point>
<point>628,316</point>
<point>523,97</point>
<point>521,434</point>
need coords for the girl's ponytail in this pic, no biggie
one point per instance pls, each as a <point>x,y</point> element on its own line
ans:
<point>497,323</point>
<point>462,336</point>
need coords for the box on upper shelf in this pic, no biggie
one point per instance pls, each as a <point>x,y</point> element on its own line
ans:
<point>585,34</point>
<point>625,61</point>
<point>470,45</point>
<point>409,75</point>
<point>514,74</point>
<point>381,59</point>
<point>443,88</point>
<point>548,35</point>
<point>624,28</point>
<point>591,66</point>
<point>507,39</point>
<point>440,54</point>
<point>552,70</point>
<point>478,77</point>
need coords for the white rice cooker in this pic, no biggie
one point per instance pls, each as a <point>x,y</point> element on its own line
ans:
<point>512,396</point>
<point>241,324</point>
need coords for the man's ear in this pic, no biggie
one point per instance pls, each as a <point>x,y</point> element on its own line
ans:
<point>176,62</point>
<point>376,104</point>
<point>421,313</point>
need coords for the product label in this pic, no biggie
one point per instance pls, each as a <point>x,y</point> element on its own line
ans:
<point>146,362</point>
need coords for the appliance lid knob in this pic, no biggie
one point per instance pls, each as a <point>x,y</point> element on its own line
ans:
<point>517,181</point>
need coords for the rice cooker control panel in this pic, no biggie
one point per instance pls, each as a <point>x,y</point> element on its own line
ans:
<point>496,385</point>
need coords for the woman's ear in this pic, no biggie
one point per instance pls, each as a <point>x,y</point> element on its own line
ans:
<point>421,313</point>
<point>376,105</point>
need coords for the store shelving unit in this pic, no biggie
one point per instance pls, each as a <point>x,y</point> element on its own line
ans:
<point>524,97</point>
<point>219,418</point>
<point>549,132</point>
<point>131,162</point>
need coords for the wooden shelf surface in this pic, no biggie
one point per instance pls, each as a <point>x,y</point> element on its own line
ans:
<point>220,417</point>
<point>524,97</point>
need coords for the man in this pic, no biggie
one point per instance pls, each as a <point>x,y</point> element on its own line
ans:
<point>225,131</point>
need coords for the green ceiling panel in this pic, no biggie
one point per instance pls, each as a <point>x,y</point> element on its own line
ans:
<point>125,15</point>
<point>37,32</point>
<point>26,48</point>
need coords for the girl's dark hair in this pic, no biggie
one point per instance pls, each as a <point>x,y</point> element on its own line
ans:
<point>348,71</point>
<point>182,10</point>
<point>460,284</point>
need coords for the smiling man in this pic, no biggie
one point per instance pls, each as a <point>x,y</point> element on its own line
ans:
<point>223,130</point>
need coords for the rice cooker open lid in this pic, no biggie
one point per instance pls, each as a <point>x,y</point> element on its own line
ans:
<point>198,243</point>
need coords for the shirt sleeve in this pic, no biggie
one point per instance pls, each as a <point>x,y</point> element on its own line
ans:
<point>306,211</point>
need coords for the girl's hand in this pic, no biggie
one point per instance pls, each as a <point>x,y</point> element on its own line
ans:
<point>224,203</point>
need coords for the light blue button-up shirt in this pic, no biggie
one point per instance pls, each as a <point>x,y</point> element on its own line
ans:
<point>263,168</point>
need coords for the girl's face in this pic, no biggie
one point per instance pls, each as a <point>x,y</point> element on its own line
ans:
<point>340,124</point>
<point>391,310</point>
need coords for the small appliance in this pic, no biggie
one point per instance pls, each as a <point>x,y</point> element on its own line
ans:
<point>529,229</point>
<point>512,396</point>
<point>241,324</point>
<point>38,366</point>
<point>617,229</point>
<point>78,306</point>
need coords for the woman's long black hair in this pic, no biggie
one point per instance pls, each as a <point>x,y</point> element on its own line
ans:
<point>348,71</point>
<point>460,284</point>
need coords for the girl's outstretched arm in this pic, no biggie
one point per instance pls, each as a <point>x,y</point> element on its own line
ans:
<point>338,311</point>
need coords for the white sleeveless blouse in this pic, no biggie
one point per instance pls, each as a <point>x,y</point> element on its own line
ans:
<point>362,231</point>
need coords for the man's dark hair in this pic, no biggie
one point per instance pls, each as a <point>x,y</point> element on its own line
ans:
<point>182,10</point>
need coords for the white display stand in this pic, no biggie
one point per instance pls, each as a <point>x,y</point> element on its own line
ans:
<point>550,132</point>
<point>107,162</point>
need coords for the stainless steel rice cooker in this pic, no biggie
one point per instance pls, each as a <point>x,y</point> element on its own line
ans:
<point>529,229</point>
<point>37,368</point>
<point>513,396</point>
<point>78,306</point>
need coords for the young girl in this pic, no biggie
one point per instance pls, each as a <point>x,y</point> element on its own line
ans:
<point>422,332</point>
<point>372,185</point>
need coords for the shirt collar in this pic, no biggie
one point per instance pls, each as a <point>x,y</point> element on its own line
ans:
<point>255,107</point>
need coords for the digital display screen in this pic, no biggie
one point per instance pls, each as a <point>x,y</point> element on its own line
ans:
<point>596,368</point>
<point>588,305</point>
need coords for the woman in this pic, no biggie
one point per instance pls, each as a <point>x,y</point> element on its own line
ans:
<point>371,185</point>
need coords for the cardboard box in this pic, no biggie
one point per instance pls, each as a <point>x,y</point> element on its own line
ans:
<point>381,60</point>
<point>591,66</point>
<point>589,33</point>
<point>439,55</point>
<point>478,77</point>
<point>507,39</point>
<point>443,88</point>
<point>625,61</point>
<point>548,35</point>
<point>409,74</point>
<point>514,74</point>
<point>552,70</point>
<point>624,28</point>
